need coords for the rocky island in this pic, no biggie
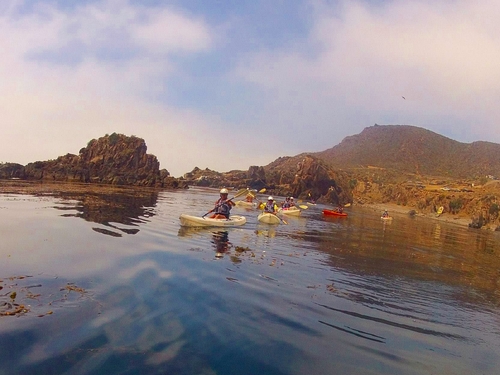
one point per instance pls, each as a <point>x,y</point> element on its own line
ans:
<point>114,159</point>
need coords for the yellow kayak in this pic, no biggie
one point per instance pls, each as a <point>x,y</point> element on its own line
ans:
<point>268,218</point>
<point>289,211</point>
<point>198,221</point>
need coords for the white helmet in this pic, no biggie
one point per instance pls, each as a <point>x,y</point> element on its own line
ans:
<point>291,198</point>
<point>224,191</point>
<point>270,198</point>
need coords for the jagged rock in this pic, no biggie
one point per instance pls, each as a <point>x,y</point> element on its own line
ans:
<point>305,177</point>
<point>118,159</point>
<point>315,180</point>
<point>11,170</point>
<point>477,222</point>
<point>205,178</point>
<point>174,183</point>
<point>113,159</point>
<point>256,173</point>
<point>254,178</point>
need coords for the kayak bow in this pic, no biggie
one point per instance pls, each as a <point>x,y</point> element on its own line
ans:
<point>268,218</point>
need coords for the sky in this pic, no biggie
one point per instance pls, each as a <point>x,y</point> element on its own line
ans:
<point>224,84</point>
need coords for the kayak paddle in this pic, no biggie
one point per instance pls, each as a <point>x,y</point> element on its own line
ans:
<point>238,194</point>
<point>282,220</point>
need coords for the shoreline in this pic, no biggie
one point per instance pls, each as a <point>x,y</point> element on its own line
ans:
<point>48,187</point>
<point>404,210</point>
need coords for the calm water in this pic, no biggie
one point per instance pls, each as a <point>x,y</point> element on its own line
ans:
<point>112,284</point>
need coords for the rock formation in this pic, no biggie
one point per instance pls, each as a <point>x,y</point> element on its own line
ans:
<point>315,180</point>
<point>11,171</point>
<point>113,159</point>
<point>254,178</point>
<point>356,171</point>
<point>304,177</point>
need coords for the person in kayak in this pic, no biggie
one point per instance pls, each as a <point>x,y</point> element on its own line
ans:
<point>385,213</point>
<point>292,203</point>
<point>286,203</point>
<point>270,206</point>
<point>222,206</point>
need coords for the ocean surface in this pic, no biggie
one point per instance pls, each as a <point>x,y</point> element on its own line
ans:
<point>110,283</point>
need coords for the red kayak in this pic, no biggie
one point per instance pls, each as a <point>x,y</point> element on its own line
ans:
<point>334,213</point>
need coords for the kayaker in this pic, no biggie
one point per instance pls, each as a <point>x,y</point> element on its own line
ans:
<point>222,206</point>
<point>286,203</point>
<point>249,198</point>
<point>340,209</point>
<point>385,213</point>
<point>311,198</point>
<point>270,206</point>
<point>292,203</point>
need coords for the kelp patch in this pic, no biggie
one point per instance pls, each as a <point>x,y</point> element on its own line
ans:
<point>20,296</point>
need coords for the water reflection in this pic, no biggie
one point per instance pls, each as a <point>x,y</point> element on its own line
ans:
<point>110,207</point>
<point>416,250</point>
<point>220,241</point>
<point>266,230</point>
<point>315,296</point>
<point>141,330</point>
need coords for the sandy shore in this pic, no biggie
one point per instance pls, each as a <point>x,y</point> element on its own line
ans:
<point>397,210</point>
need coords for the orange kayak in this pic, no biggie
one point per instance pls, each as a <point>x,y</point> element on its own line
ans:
<point>334,213</point>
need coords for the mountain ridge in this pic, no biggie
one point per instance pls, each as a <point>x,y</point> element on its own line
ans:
<point>416,150</point>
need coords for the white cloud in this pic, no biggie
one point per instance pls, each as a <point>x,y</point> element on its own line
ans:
<point>67,76</point>
<point>359,60</point>
<point>166,31</point>
<point>51,107</point>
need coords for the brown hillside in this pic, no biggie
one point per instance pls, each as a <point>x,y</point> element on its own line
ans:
<point>416,150</point>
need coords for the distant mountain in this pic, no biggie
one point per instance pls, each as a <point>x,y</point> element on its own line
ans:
<point>415,150</point>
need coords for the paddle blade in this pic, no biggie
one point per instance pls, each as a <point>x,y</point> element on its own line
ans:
<point>240,193</point>
<point>263,190</point>
<point>303,206</point>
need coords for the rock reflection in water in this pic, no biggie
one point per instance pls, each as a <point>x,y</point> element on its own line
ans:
<point>124,206</point>
<point>418,251</point>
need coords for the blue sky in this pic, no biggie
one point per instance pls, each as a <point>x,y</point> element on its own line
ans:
<point>226,84</point>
